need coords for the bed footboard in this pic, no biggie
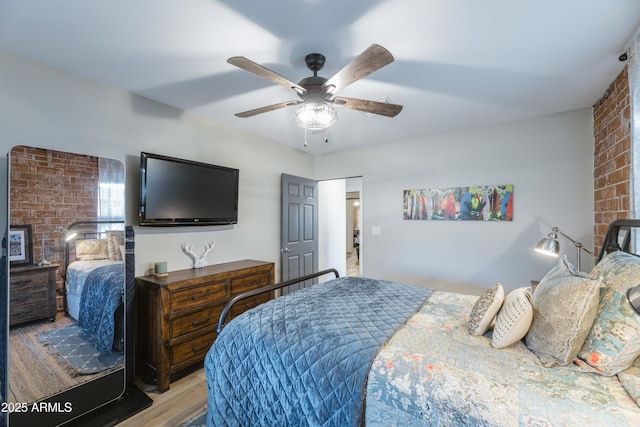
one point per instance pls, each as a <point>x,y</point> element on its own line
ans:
<point>248,294</point>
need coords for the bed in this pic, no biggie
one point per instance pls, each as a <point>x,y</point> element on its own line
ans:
<point>358,351</point>
<point>94,282</point>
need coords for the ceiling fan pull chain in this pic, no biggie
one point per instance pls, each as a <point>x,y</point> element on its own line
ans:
<point>326,135</point>
<point>305,136</point>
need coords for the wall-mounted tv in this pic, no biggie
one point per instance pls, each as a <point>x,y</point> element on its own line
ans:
<point>175,192</point>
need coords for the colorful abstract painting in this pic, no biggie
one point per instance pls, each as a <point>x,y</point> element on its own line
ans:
<point>481,203</point>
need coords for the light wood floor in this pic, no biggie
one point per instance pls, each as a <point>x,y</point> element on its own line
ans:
<point>184,399</point>
<point>353,264</point>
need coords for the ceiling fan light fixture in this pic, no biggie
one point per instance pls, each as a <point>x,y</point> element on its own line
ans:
<point>315,115</point>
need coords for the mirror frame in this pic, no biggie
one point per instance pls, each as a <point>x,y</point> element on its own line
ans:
<point>83,398</point>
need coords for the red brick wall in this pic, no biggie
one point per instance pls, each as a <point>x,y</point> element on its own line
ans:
<point>612,156</point>
<point>48,189</point>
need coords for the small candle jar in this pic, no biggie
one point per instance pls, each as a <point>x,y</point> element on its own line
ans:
<point>160,268</point>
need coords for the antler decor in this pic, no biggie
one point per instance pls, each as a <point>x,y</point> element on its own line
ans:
<point>198,261</point>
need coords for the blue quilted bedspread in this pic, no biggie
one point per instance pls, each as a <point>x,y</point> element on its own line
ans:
<point>303,359</point>
<point>101,295</point>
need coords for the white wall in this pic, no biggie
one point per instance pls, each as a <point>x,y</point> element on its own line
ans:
<point>332,226</point>
<point>45,107</point>
<point>549,160</point>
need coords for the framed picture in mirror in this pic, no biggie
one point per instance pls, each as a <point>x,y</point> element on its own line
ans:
<point>20,245</point>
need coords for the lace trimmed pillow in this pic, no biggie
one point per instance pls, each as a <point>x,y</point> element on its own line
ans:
<point>565,304</point>
<point>485,310</point>
<point>514,318</point>
<point>92,249</point>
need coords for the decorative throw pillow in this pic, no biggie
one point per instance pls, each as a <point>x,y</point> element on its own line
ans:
<point>115,238</point>
<point>514,318</point>
<point>485,310</point>
<point>565,304</point>
<point>90,249</point>
<point>613,343</point>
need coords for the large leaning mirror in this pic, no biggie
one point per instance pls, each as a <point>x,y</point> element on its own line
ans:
<point>65,247</point>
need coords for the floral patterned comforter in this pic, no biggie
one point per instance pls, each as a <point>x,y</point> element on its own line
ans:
<point>432,372</point>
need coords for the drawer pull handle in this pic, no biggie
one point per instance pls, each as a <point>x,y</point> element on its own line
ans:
<point>200,322</point>
<point>21,298</point>
<point>253,282</point>
<point>197,297</point>
<point>22,282</point>
<point>198,348</point>
<point>21,313</point>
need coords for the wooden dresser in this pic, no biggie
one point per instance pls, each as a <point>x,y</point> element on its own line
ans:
<point>177,315</point>
<point>32,293</point>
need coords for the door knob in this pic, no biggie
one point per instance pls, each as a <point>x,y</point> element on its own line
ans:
<point>286,250</point>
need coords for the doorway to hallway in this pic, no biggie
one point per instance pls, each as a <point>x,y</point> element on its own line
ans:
<point>340,223</point>
<point>353,221</point>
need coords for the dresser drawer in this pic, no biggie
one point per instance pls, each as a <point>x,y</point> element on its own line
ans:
<point>21,294</point>
<point>184,325</point>
<point>194,349</point>
<point>249,282</point>
<point>249,303</point>
<point>196,296</point>
<point>19,300</point>
<point>33,307</point>
<point>36,279</point>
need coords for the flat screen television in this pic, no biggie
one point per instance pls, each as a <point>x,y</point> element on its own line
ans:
<point>178,192</point>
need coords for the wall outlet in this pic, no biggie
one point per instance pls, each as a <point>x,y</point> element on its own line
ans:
<point>375,231</point>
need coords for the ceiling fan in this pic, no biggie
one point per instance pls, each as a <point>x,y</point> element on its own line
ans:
<point>317,94</point>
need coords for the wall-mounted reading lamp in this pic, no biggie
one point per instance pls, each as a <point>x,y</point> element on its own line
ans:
<point>551,247</point>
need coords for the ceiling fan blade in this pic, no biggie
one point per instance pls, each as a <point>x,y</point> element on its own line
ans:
<point>374,107</point>
<point>265,73</point>
<point>266,109</point>
<point>372,59</point>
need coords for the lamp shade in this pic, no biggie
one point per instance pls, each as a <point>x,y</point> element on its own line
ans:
<point>549,245</point>
<point>68,235</point>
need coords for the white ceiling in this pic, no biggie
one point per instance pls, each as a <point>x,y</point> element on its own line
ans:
<point>458,63</point>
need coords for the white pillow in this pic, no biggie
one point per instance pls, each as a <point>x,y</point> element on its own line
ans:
<point>485,310</point>
<point>514,318</point>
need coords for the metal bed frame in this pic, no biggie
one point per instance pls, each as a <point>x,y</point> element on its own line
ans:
<point>119,332</point>
<point>85,235</point>
<point>611,243</point>
<point>248,294</point>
